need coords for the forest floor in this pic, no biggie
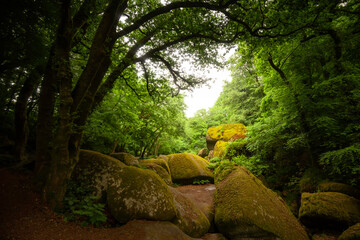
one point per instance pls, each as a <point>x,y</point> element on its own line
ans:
<point>23,216</point>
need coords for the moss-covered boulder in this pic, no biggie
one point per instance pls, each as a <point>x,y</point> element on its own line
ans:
<point>224,132</point>
<point>339,187</point>
<point>126,158</point>
<point>159,161</point>
<point>95,170</point>
<point>185,167</point>
<point>136,193</point>
<point>352,233</point>
<point>329,209</point>
<point>154,230</point>
<point>214,236</point>
<point>219,148</point>
<point>190,219</point>
<point>245,208</point>
<point>159,171</point>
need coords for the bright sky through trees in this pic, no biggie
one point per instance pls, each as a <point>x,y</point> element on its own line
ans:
<point>206,96</point>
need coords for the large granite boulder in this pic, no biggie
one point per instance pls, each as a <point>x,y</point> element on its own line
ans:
<point>186,167</point>
<point>246,209</point>
<point>159,161</point>
<point>224,132</point>
<point>126,158</point>
<point>135,193</point>
<point>202,153</point>
<point>159,171</point>
<point>190,219</point>
<point>94,170</point>
<point>339,187</point>
<point>329,209</point>
<point>352,233</point>
<point>151,230</point>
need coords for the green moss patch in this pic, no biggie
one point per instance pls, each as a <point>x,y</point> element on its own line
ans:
<point>352,233</point>
<point>245,208</point>
<point>185,167</point>
<point>329,209</point>
<point>159,161</point>
<point>159,171</point>
<point>339,187</point>
<point>136,193</point>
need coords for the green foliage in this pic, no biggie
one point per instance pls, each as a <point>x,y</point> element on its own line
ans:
<point>343,164</point>
<point>223,169</point>
<point>214,163</point>
<point>80,205</point>
<point>200,182</point>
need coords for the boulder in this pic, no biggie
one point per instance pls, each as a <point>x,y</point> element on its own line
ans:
<point>246,209</point>
<point>159,161</point>
<point>329,209</point>
<point>224,132</point>
<point>190,219</point>
<point>126,158</point>
<point>202,153</point>
<point>159,171</point>
<point>154,230</point>
<point>185,167</point>
<point>352,233</point>
<point>211,154</point>
<point>135,193</point>
<point>219,148</point>
<point>95,170</point>
<point>339,187</point>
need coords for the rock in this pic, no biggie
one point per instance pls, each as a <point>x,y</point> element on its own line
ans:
<point>311,179</point>
<point>159,161</point>
<point>95,169</point>
<point>203,196</point>
<point>213,236</point>
<point>202,153</point>
<point>329,209</point>
<point>219,148</point>
<point>246,209</point>
<point>190,219</point>
<point>352,233</point>
<point>224,132</point>
<point>339,187</point>
<point>185,167</point>
<point>151,230</point>
<point>126,158</point>
<point>211,154</point>
<point>136,193</point>
<point>159,171</point>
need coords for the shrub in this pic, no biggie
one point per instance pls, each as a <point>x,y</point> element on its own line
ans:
<point>343,164</point>
<point>80,205</point>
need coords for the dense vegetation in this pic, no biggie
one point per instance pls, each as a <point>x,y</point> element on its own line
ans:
<point>106,75</point>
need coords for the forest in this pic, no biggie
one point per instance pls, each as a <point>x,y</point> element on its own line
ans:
<point>107,76</point>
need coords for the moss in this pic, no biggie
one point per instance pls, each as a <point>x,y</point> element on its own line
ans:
<point>330,209</point>
<point>159,161</point>
<point>245,208</point>
<point>185,167</point>
<point>189,218</point>
<point>96,169</point>
<point>339,187</point>
<point>159,171</point>
<point>352,233</point>
<point>219,148</point>
<point>227,132</point>
<point>136,193</point>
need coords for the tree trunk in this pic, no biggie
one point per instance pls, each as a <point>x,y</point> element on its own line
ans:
<point>21,127</point>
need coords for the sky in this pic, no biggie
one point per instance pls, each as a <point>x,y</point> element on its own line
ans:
<point>205,97</point>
